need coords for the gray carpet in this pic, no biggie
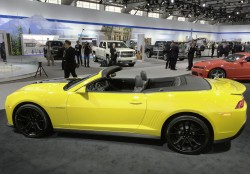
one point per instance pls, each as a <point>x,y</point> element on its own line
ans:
<point>81,153</point>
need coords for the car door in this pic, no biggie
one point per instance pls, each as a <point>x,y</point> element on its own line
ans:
<point>98,50</point>
<point>245,68</point>
<point>106,111</point>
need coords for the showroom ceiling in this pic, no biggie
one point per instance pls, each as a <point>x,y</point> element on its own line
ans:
<point>222,11</point>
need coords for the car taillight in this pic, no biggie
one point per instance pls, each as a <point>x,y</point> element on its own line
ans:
<point>240,104</point>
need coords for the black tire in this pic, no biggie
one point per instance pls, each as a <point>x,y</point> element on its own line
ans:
<point>217,73</point>
<point>148,53</point>
<point>95,59</point>
<point>131,64</point>
<point>188,135</point>
<point>32,121</point>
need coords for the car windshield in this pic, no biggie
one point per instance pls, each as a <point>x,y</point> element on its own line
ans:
<point>117,45</point>
<point>233,58</point>
<point>75,82</point>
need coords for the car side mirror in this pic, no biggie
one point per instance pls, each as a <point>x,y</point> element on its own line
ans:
<point>243,61</point>
<point>82,90</point>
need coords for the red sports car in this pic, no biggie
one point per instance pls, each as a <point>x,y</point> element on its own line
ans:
<point>235,66</point>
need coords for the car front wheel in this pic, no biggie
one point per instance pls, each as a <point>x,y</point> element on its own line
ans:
<point>32,121</point>
<point>217,73</point>
<point>188,135</point>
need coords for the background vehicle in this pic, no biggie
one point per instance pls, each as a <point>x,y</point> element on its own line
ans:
<point>156,49</point>
<point>189,112</point>
<point>56,46</point>
<point>235,66</point>
<point>125,55</point>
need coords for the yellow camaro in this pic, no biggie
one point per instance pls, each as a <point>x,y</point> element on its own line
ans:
<point>190,113</point>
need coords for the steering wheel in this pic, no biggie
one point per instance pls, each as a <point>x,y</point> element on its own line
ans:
<point>101,86</point>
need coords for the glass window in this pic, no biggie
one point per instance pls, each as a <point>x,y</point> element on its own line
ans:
<point>233,58</point>
<point>138,13</point>
<point>181,19</point>
<point>202,21</point>
<point>117,44</point>
<point>104,45</point>
<point>88,5</point>
<point>248,59</point>
<point>100,45</point>
<point>52,1</point>
<point>153,15</point>
<point>113,9</point>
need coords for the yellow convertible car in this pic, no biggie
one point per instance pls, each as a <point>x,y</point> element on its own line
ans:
<point>189,113</point>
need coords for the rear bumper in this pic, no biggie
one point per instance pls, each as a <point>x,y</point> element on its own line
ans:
<point>231,138</point>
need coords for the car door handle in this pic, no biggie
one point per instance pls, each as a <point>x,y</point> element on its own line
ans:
<point>135,102</point>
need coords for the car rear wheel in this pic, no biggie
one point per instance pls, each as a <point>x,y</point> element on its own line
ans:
<point>217,73</point>
<point>32,121</point>
<point>188,135</point>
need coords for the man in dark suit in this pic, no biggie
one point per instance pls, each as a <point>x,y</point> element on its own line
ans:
<point>168,55</point>
<point>113,54</point>
<point>70,62</point>
<point>174,55</point>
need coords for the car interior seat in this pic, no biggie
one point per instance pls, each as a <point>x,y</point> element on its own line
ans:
<point>144,79</point>
<point>138,84</point>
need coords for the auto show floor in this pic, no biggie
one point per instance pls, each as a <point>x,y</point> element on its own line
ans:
<point>83,153</point>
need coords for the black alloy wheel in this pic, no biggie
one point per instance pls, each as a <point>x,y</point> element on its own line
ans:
<point>32,121</point>
<point>217,73</point>
<point>188,135</point>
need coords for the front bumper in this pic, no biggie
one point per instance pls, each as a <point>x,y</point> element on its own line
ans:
<point>200,72</point>
<point>125,60</point>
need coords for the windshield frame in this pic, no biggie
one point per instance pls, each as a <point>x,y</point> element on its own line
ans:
<point>77,81</point>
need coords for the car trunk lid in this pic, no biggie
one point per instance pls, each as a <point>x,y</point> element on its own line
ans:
<point>228,86</point>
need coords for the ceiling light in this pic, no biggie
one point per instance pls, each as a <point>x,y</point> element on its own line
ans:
<point>241,2</point>
<point>229,16</point>
<point>204,5</point>
<point>172,1</point>
<point>237,12</point>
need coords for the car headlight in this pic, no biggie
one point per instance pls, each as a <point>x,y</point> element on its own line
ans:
<point>134,54</point>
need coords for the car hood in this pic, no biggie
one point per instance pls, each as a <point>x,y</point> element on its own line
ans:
<point>210,62</point>
<point>48,85</point>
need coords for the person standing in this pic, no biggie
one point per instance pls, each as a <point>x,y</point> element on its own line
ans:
<point>226,50</point>
<point>174,55</point>
<point>219,50</point>
<point>113,54</point>
<point>212,50</point>
<point>50,56</point>
<point>168,54</point>
<point>70,62</point>
<point>87,51</point>
<point>191,52</point>
<point>78,48</point>
<point>247,47</point>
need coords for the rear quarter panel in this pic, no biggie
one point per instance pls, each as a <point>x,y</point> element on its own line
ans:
<point>208,104</point>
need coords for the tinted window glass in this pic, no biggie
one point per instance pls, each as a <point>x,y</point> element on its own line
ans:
<point>233,58</point>
<point>117,45</point>
<point>248,59</point>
